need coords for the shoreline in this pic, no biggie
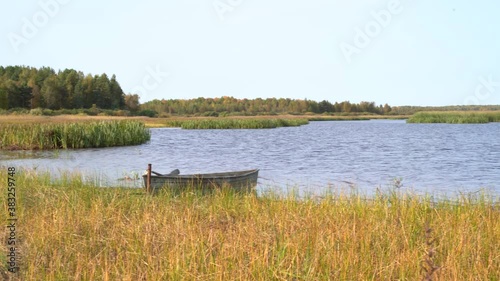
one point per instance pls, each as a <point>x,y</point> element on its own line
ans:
<point>224,234</point>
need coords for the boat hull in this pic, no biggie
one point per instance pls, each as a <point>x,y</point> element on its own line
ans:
<point>240,180</point>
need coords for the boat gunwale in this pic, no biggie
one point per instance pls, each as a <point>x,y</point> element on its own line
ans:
<point>208,176</point>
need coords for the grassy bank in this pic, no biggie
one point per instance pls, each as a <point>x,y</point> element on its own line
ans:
<point>68,230</point>
<point>455,117</point>
<point>250,123</point>
<point>72,135</point>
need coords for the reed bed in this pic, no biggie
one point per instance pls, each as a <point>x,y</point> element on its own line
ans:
<point>455,117</point>
<point>30,119</point>
<point>252,123</point>
<point>355,118</point>
<point>338,118</point>
<point>72,135</point>
<point>71,230</point>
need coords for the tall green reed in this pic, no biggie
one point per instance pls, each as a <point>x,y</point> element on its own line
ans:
<point>453,117</point>
<point>73,135</point>
<point>257,123</point>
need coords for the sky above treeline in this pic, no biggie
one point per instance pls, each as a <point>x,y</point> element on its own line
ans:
<point>398,52</point>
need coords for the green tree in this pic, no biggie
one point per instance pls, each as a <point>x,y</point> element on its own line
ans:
<point>4,99</point>
<point>325,106</point>
<point>117,95</point>
<point>36,95</point>
<point>78,97</point>
<point>52,93</point>
<point>103,91</point>
<point>313,107</point>
<point>87,88</point>
<point>18,96</point>
<point>69,78</point>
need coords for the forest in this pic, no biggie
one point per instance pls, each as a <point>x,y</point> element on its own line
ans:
<point>29,89</point>
<point>269,106</point>
<point>227,106</point>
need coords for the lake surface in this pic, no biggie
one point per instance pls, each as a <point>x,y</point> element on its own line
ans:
<point>435,158</point>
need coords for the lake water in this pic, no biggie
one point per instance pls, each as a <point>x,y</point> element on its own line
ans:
<point>435,158</point>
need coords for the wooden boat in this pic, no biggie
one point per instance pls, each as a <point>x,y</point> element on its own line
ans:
<point>240,180</point>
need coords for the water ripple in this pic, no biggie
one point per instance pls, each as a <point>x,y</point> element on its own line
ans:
<point>438,158</point>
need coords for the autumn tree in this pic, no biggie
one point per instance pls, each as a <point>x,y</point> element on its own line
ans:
<point>132,102</point>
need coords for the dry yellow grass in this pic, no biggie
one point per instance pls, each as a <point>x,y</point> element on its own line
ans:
<point>73,231</point>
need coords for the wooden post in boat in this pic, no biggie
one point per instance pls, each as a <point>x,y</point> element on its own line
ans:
<point>148,181</point>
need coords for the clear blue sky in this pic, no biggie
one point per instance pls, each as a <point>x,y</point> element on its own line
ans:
<point>417,53</point>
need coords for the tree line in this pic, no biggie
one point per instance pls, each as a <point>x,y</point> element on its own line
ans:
<point>23,87</point>
<point>29,88</point>
<point>231,106</point>
<point>258,106</point>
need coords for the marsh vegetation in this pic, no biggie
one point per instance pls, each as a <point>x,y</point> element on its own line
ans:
<point>66,135</point>
<point>455,117</point>
<point>223,123</point>
<point>74,230</point>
